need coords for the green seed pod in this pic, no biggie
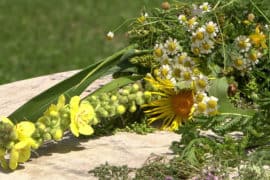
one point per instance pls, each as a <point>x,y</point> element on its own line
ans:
<point>121,109</point>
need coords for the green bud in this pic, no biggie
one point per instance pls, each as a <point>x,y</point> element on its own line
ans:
<point>113,98</point>
<point>41,126</point>
<point>104,113</point>
<point>135,87</point>
<point>58,134</point>
<point>140,100</point>
<point>47,136</point>
<point>132,97</point>
<point>147,94</point>
<point>121,109</point>
<point>123,100</point>
<point>54,113</point>
<point>132,108</point>
<point>124,92</point>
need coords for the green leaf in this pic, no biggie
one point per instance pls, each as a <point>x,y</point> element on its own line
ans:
<point>218,89</point>
<point>72,86</point>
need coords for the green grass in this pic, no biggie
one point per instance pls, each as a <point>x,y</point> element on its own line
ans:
<point>39,37</point>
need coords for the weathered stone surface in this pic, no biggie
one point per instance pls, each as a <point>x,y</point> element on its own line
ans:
<point>72,158</point>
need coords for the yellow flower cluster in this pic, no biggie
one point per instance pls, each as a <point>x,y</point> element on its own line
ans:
<point>17,140</point>
<point>250,50</point>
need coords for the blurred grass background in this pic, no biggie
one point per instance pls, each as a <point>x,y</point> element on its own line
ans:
<point>39,37</point>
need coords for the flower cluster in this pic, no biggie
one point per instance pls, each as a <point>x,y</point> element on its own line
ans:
<point>17,140</point>
<point>249,50</point>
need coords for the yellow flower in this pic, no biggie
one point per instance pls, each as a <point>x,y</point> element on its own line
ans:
<point>258,39</point>
<point>173,108</point>
<point>82,115</point>
<point>20,153</point>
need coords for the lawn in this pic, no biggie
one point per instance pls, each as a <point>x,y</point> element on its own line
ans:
<point>39,37</point>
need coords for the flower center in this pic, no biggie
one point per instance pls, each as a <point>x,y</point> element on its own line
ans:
<point>171,46</point>
<point>182,103</point>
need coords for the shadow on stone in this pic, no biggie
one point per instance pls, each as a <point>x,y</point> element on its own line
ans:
<point>66,145</point>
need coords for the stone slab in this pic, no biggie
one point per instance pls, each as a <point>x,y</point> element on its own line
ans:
<point>72,158</point>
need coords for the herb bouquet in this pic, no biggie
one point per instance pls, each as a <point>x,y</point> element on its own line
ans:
<point>201,70</point>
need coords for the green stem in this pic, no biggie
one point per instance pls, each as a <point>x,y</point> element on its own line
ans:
<point>260,11</point>
<point>236,114</point>
<point>223,44</point>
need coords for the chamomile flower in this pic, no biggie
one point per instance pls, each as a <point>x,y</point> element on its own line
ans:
<point>243,43</point>
<point>206,46</point>
<point>159,51</point>
<point>110,35</point>
<point>199,35</point>
<point>182,19</point>
<point>180,58</point>
<point>142,18</point>
<point>192,23</point>
<point>200,96</point>
<point>165,72</point>
<point>172,46</point>
<point>205,7</point>
<point>201,83</point>
<point>239,62</point>
<point>165,60</point>
<point>201,105</point>
<point>195,49</point>
<point>253,56</point>
<point>212,105</point>
<point>187,76</point>
<point>176,71</point>
<point>211,29</point>
<point>188,62</point>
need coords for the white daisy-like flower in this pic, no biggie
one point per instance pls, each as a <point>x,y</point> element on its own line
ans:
<point>200,96</point>
<point>253,56</point>
<point>239,62</point>
<point>142,18</point>
<point>205,7</point>
<point>192,23</point>
<point>187,75</point>
<point>182,19</point>
<point>206,46</point>
<point>212,105</point>
<point>172,46</point>
<point>201,83</point>
<point>196,48</point>
<point>110,35</point>
<point>159,51</point>
<point>199,35</point>
<point>165,60</point>
<point>176,71</point>
<point>180,58</point>
<point>200,107</point>
<point>165,72</point>
<point>211,29</point>
<point>188,62</point>
<point>243,43</point>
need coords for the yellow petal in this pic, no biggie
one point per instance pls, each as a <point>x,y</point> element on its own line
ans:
<point>13,161</point>
<point>25,129</point>
<point>74,107</point>
<point>74,129</point>
<point>61,101</point>
<point>24,154</point>
<point>86,111</point>
<point>86,130</point>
